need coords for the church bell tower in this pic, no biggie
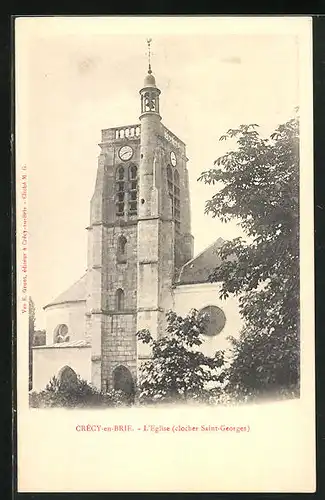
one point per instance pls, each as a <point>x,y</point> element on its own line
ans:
<point>139,237</point>
<point>156,227</point>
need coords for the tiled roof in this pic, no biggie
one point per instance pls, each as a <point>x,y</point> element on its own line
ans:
<point>198,270</point>
<point>76,292</point>
<point>63,345</point>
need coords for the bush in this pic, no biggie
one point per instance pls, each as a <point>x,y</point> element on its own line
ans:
<point>80,394</point>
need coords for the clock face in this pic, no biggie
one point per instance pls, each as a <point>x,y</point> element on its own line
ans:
<point>173,158</point>
<point>125,153</point>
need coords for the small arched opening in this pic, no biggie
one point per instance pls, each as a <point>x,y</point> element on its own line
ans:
<point>67,377</point>
<point>121,249</point>
<point>119,299</point>
<point>123,381</point>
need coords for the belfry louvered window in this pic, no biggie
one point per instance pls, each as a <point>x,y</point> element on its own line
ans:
<point>133,190</point>
<point>120,191</point>
<point>127,190</point>
<point>173,184</point>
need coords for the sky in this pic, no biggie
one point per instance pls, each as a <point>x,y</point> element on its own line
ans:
<point>74,78</point>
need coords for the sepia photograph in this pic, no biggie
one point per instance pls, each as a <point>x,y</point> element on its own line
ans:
<point>164,237</point>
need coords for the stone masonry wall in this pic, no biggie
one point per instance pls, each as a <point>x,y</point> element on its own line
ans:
<point>118,346</point>
<point>119,328</point>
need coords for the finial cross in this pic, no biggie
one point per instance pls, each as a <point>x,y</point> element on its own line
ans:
<point>149,40</point>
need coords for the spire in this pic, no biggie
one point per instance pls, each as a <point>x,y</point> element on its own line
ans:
<point>149,80</point>
<point>149,40</point>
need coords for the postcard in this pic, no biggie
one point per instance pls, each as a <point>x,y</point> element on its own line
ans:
<point>165,288</point>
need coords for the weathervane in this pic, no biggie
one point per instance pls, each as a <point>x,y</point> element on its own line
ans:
<point>149,40</point>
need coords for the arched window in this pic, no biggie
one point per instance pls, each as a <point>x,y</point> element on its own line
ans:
<point>119,299</point>
<point>61,334</point>
<point>215,320</point>
<point>121,249</point>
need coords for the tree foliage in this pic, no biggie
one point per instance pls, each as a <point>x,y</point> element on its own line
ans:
<point>259,187</point>
<point>39,337</point>
<point>177,370</point>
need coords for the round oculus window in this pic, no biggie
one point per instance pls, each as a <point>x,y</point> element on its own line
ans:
<point>215,320</point>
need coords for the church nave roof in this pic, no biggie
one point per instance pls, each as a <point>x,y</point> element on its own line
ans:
<point>198,269</point>
<point>77,292</point>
